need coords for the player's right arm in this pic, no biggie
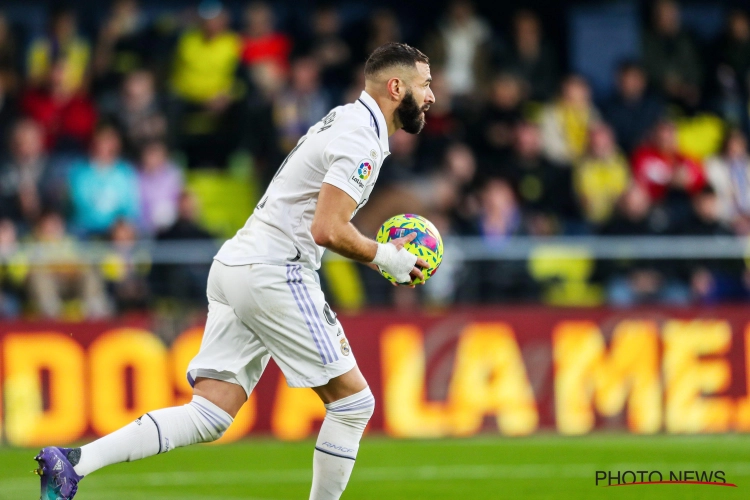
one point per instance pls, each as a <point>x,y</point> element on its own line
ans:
<point>331,228</point>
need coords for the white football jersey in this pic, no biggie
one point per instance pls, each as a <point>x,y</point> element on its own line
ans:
<point>345,149</point>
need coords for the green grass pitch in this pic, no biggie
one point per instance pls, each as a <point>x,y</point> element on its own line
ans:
<point>473,469</point>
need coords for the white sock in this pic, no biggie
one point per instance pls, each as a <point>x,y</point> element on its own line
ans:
<point>338,443</point>
<point>159,431</point>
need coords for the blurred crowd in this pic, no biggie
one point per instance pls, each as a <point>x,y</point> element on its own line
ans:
<point>99,126</point>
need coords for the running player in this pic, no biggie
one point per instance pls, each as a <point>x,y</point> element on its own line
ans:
<point>265,299</point>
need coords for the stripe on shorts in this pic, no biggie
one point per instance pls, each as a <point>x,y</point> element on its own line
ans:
<point>290,280</point>
<point>316,316</point>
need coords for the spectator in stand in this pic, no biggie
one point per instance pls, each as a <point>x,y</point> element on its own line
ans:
<point>729,176</point>
<point>120,48</point>
<point>61,43</point>
<point>160,184</point>
<point>8,114</point>
<point>137,112</point>
<point>444,125</point>
<point>734,47</point>
<point>102,188</point>
<point>329,49</point>
<point>705,217</point>
<point>661,168</point>
<point>9,79</point>
<point>633,111</point>
<point>495,130</point>
<point>671,58</point>
<point>636,215</point>
<point>259,134</point>
<point>712,280</point>
<point>601,177</point>
<point>27,182</point>
<point>531,57</point>
<point>302,104</point>
<point>384,27</point>
<point>443,191</point>
<point>500,216</point>
<point>205,83</point>
<point>185,225</point>
<point>124,268</point>
<point>403,160</point>
<point>545,190</point>
<point>14,271</point>
<point>566,123</point>
<point>262,43</point>
<point>59,274</point>
<point>67,115</point>
<point>206,60</point>
<point>461,49</point>
<point>183,281</point>
<point>732,70</point>
<point>631,282</point>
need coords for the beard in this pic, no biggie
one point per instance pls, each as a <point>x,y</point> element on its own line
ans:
<point>410,114</point>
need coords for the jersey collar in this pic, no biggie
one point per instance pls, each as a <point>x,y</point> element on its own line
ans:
<point>377,120</point>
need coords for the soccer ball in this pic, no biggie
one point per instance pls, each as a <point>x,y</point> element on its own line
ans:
<point>428,244</point>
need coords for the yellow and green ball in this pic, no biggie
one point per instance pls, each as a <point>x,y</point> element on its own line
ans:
<point>428,244</point>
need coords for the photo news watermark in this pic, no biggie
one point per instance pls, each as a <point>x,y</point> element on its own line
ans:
<point>645,477</point>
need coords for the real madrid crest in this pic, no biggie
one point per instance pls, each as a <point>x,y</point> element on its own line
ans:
<point>345,347</point>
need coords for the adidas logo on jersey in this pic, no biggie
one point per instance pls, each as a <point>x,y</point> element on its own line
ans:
<point>58,465</point>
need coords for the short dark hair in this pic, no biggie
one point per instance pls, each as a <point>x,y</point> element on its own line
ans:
<point>630,65</point>
<point>393,54</point>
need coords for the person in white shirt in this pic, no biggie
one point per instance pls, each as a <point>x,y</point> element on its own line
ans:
<point>264,297</point>
<point>729,175</point>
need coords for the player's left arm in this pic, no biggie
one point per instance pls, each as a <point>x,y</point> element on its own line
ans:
<point>350,157</point>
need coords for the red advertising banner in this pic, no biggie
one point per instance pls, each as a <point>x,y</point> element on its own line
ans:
<point>458,372</point>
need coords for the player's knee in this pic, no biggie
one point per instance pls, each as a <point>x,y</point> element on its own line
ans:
<point>211,436</point>
<point>212,421</point>
<point>354,411</point>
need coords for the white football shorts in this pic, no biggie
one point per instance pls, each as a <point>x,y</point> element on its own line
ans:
<point>259,311</point>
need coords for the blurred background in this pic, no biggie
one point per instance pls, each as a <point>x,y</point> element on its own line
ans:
<point>586,163</point>
<point>142,124</point>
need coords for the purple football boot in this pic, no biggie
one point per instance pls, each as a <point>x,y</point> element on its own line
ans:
<point>59,480</point>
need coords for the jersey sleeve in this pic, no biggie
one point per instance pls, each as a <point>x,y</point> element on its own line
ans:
<point>351,161</point>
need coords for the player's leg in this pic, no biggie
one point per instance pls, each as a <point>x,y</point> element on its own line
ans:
<point>224,372</point>
<point>159,431</point>
<point>285,306</point>
<point>201,420</point>
<point>349,406</point>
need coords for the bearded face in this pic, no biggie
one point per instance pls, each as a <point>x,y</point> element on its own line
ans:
<point>410,114</point>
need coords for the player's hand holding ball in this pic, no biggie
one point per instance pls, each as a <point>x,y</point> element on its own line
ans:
<point>410,249</point>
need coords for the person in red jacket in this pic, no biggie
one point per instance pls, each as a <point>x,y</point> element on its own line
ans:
<point>67,117</point>
<point>262,44</point>
<point>659,167</point>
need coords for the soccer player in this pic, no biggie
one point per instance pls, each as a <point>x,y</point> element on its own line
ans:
<point>265,299</point>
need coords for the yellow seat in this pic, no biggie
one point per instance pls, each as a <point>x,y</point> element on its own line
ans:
<point>226,198</point>
<point>565,271</point>
<point>344,282</point>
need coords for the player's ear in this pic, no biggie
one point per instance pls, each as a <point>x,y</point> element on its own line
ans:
<point>395,88</point>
